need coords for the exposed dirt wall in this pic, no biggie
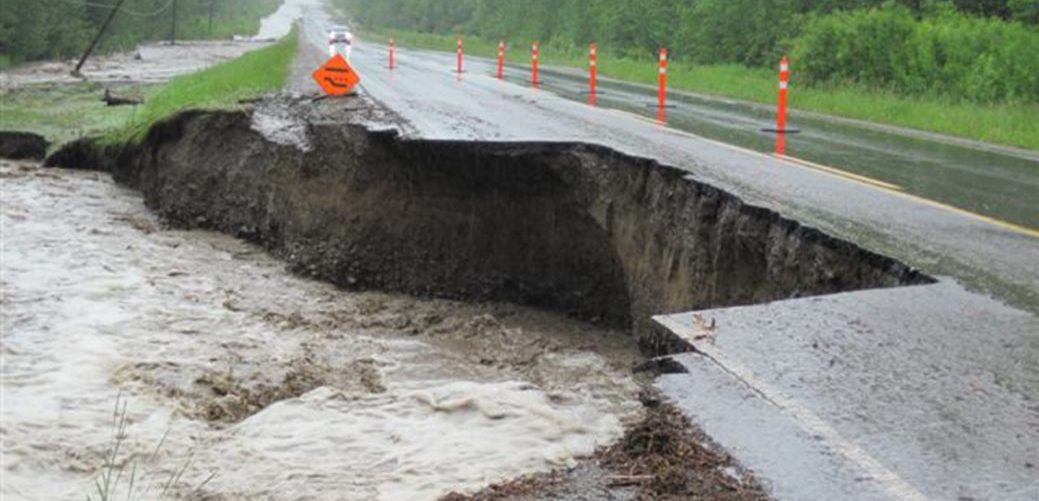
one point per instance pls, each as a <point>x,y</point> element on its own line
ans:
<point>569,227</point>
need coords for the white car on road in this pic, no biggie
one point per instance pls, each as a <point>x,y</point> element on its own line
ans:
<point>340,41</point>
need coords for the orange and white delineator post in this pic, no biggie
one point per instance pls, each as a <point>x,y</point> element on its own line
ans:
<point>593,58</point>
<point>784,82</point>
<point>459,55</point>
<point>662,93</point>
<point>501,60</point>
<point>393,64</point>
<point>534,77</point>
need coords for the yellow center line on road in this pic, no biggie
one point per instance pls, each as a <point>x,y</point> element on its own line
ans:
<point>855,178</point>
<point>837,172</point>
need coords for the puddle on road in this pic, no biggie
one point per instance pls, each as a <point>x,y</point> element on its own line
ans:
<point>279,386</point>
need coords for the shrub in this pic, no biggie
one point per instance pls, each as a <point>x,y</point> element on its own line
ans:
<point>947,54</point>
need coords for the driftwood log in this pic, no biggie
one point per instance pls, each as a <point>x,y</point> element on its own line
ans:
<point>116,100</point>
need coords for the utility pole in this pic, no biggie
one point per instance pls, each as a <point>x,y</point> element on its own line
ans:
<point>173,30</point>
<point>93,44</point>
<point>211,2</point>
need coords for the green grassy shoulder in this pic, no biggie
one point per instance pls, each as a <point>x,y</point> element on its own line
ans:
<point>63,112</point>
<point>1011,125</point>
<point>222,86</point>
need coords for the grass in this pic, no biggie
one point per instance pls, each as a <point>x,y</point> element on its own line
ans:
<point>1007,124</point>
<point>123,472</point>
<point>63,112</point>
<point>219,87</point>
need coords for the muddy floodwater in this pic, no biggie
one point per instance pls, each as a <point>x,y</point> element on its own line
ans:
<point>260,384</point>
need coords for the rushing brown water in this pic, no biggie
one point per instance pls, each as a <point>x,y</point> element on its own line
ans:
<point>260,384</point>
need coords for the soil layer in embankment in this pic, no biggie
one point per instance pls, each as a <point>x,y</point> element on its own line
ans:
<point>575,228</point>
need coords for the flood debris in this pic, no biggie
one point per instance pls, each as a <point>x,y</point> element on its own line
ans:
<point>112,99</point>
<point>662,456</point>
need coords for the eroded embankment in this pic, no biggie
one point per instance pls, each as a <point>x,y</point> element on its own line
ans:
<point>569,227</point>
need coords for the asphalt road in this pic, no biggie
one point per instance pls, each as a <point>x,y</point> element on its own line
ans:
<point>912,393</point>
<point>993,181</point>
<point>991,254</point>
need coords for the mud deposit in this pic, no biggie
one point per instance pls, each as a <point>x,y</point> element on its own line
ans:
<point>577,229</point>
<point>268,385</point>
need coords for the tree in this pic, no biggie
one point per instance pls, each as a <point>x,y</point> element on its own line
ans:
<point>1026,11</point>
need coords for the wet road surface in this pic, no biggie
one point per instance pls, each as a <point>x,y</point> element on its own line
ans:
<point>921,392</point>
<point>997,182</point>
<point>990,180</point>
<point>991,255</point>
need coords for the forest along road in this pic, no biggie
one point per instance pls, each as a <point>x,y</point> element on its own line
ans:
<point>927,391</point>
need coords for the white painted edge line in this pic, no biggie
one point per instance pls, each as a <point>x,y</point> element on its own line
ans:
<point>810,422</point>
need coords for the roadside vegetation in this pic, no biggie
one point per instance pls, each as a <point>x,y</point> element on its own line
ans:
<point>221,86</point>
<point>963,68</point>
<point>63,112</point>
<point>57,29</point>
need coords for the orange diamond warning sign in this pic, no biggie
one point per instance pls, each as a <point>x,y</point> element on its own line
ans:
<point>336,77</point>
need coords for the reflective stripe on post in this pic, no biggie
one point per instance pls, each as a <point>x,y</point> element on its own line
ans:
<point>501,60</point>
<point>662,95</point>
<point>534,78</point>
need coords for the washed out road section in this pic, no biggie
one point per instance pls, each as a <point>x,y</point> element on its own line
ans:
<point>941,412</point>
<point>437,103</point>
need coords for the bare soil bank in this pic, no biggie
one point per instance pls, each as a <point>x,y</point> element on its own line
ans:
<point>575,228</point>
<point>22,146</point>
